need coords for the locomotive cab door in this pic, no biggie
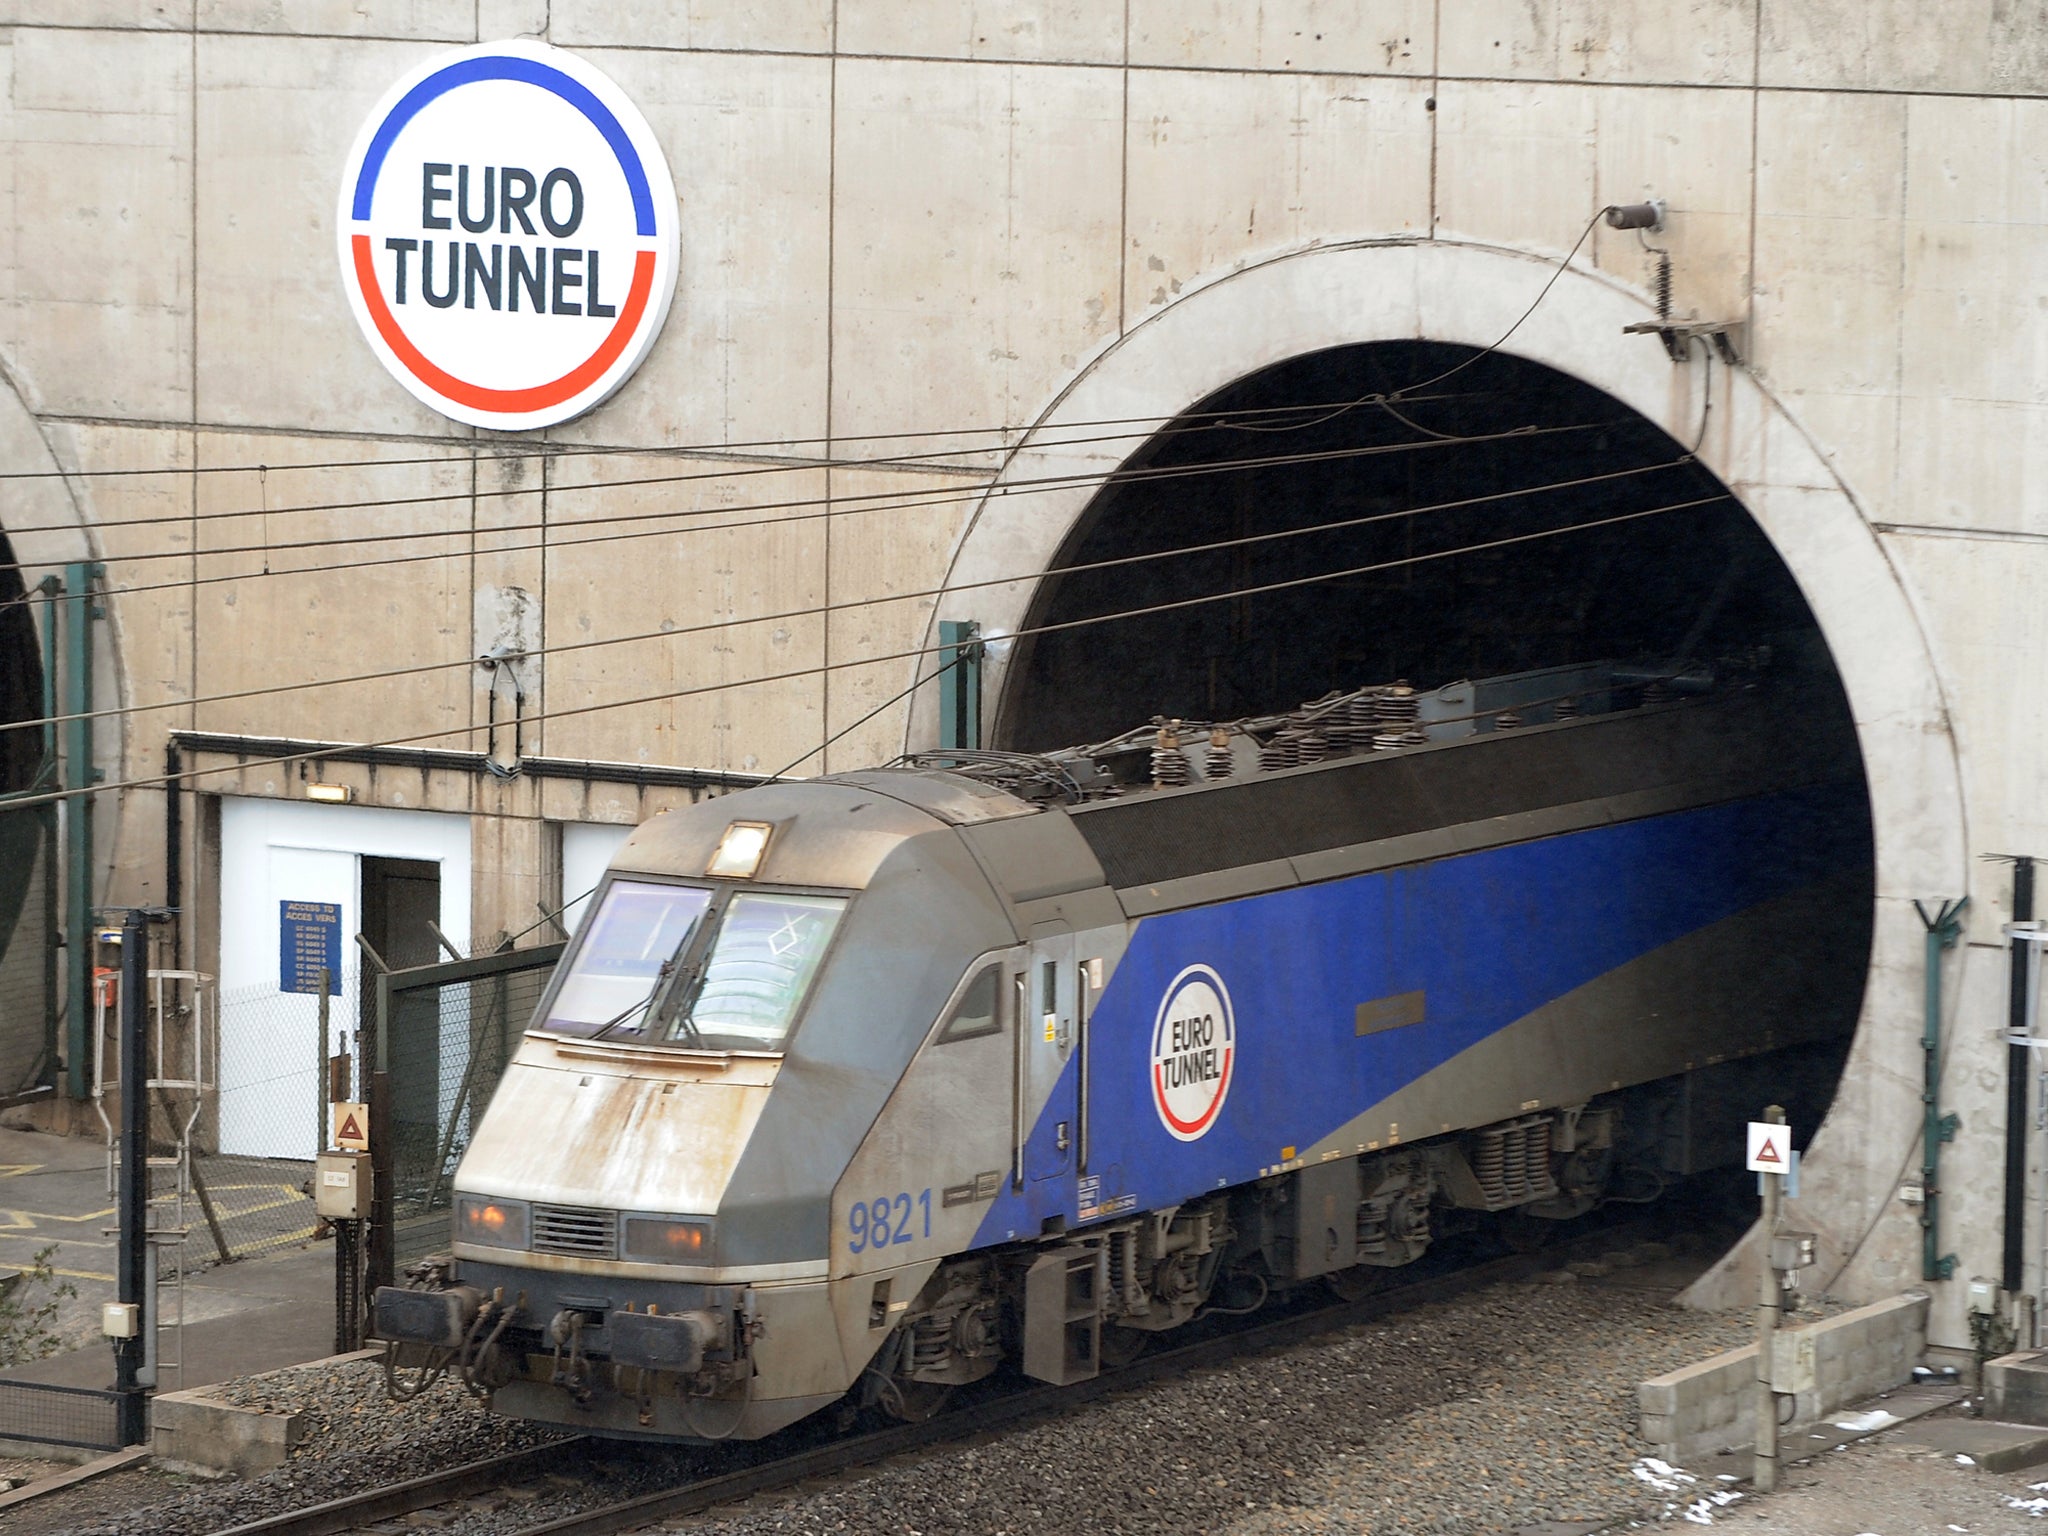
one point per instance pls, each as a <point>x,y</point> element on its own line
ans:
<point>1045,1046</point>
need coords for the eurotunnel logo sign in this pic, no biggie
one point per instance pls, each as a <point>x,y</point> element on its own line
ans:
<point>507,232</point>
<point>1194,1052</point>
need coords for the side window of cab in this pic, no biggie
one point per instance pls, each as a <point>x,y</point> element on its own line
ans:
<point>976,1013</point>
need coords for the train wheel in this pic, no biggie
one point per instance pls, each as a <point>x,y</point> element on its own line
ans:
<point>912,1402</point>
<point>1121,1346</point>
<point>1357,1282</point>
<point>1523,1233</point>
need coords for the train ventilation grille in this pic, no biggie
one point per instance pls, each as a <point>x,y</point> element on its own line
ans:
<point>579,1233</point>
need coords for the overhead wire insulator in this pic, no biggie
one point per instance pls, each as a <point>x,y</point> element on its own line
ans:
<point>1220,762</point>
<point>1169,768</point>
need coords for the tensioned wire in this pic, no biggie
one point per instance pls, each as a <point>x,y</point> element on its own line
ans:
<point>161,781</point>
<point>462,451</point>
<point>1179,423</point>
<point>828,609</point>
<point>833,507</point>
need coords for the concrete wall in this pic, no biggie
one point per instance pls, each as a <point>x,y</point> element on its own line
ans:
<point>944,219</point>
<point>1710,1406</point>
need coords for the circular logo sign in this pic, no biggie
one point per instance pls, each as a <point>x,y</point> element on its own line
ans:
<point>507,230</point>
<point>1194,1043</point>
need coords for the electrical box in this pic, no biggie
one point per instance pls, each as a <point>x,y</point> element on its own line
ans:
<point>341,1185</point>
<point>120,1319</point>
<point>1791,1250</point>
<point>1983,1297</point>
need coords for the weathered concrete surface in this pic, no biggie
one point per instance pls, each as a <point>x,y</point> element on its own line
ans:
<point>191,1432</point>
<point>1702,1409</point>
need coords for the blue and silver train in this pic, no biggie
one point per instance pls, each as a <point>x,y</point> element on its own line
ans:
<point>856,1089</point>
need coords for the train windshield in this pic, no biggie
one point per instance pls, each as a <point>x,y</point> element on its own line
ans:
<point>629,950</point>
<point>683,965</point>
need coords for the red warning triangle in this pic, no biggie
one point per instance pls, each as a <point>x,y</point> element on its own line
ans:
<point>1768,1153</point>
<point>350,1131</point>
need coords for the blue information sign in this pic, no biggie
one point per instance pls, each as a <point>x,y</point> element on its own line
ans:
<point>308,938</point>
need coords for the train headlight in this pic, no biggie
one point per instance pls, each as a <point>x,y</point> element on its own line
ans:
<point>739,851</point>
<point>666,1240</point>
<point>492,1223</point>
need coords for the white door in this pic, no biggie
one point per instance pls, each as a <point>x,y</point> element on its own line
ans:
<point>277,851</point>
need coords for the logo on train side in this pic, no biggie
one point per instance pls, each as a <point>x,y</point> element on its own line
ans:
<point>1194,1052</point>
<point>507,233</point>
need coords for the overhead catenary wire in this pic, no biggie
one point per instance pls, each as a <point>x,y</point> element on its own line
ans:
<point>827,609</point>
<point>794,510</point>
<point>466,450</point>
<point>163,781</point>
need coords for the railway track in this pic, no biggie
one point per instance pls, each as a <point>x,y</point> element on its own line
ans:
<point>457,1491</point>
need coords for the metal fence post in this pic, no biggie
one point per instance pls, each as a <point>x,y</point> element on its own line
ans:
<point>133,1203</point>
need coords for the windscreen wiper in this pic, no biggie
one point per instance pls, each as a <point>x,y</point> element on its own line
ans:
<point>612,1023</point>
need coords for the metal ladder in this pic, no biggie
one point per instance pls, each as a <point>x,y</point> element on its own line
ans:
<point>167,1226</point>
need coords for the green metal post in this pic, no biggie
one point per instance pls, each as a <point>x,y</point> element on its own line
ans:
<point>51,588</point>
<point>960,652</point>
<point>79,775</point>
<point>1944,930</point>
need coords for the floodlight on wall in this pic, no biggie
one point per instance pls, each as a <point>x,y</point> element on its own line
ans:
<point>331,794</point>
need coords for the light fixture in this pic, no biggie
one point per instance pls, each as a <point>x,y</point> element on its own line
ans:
<point>331,794</point>
<point>739,851</point>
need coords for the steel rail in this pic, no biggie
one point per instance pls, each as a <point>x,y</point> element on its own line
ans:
<point>727,1488</point>
<point>356,1511</point>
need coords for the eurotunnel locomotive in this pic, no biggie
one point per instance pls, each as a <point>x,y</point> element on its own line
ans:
<point>857,1089</point>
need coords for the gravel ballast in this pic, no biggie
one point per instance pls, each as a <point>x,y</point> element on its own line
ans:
<point>1506,1407</point>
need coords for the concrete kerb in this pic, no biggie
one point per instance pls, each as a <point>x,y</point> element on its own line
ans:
<point>1708,1407</point>
<point>197,1434</point>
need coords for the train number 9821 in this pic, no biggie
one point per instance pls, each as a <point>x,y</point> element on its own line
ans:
<point>887,1220</point>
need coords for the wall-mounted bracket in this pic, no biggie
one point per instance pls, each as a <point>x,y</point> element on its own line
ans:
<point>1678,335</point>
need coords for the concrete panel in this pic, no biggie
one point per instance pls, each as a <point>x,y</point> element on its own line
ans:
<point>977,212</point>
<point>1974,343</point>
<point>276,118</point>
<point>769,26</point>
<point>728,545</point>
<point>1712,42</point>
<point>1898,45</point>
<point>1983,607</point>
<point>1692,149</point>
<point>1353,160</point>
<point>426,21</point>
<point>144,529</point>
<point>1394,37</point>
<point>742,358</point>
<point>889,552</point>
<point>1829,205</point>
<point>287,627</point>
<point>1047,31</point>
<point>1516,163</point>
<point>99,172</point>
<point>164,15</point>
<point>1499,39</point>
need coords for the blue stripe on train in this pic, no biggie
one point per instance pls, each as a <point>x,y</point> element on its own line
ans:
<point>1488,936</point>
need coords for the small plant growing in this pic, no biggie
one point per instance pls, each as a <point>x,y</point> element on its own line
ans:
<point>28,1308</point>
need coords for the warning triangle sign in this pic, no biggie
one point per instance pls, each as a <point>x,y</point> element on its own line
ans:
<point>1768,1153</point>
<point>352,1127</point>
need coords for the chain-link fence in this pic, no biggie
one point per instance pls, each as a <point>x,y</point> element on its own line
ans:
<point>450,1029</point>
<point>28,955</point>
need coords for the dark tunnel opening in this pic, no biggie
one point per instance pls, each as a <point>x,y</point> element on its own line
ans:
<point>1501,519</point>
<point>21,680</point>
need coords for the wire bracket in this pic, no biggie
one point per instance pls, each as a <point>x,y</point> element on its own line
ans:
<point>1678,335</point>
